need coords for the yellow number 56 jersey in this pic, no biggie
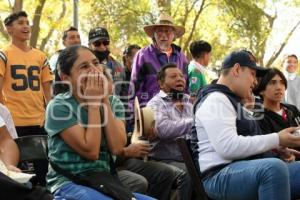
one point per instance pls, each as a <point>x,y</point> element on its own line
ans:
<point>23,74</point>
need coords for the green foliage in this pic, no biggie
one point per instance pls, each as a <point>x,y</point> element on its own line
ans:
<point>226,24</point>
<point>123,19</point>
<point>247,24</point>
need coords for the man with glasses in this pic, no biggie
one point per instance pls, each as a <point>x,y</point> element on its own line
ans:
<point>150,59</point>
<point>99,42</point>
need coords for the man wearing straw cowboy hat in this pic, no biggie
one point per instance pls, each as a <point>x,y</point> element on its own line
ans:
<point>150,59</point>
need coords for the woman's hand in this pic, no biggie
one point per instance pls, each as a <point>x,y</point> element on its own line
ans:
<point>93,90</point>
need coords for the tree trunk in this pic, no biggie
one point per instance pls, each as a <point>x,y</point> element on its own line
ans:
<point>187,11</point>
<point>277,53</point>
<point>36,23</point>
<point>3,31</point>
<point>61,16</point>
<point>194,26</point>
<point>18,6</point>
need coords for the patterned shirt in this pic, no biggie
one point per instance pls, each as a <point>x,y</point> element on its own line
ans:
<point>196,77</point>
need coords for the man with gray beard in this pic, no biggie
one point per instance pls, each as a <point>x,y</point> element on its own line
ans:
<point>150,59</point>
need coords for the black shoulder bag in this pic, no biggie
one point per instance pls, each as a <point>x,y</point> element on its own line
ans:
<point>104,182</point>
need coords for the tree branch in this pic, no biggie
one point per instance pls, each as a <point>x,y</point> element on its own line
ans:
<point>18,5</point>
<point>10,5</point>
<point>194,26</point>
<point>193,5</point>
<point>3,30</point>
<point>184,19</point>
<point>187,12</point>
<point>277,53</point>
<point>36,23</point>
<point>61,16</point>
<point>177,9</point>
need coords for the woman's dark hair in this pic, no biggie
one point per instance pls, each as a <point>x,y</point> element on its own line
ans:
<point>65,61</point>
<point>267,78</point>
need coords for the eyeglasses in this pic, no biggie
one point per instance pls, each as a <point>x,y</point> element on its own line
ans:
<point>98,43</point>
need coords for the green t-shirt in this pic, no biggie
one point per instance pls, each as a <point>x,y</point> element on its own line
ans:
<point>196,79</point>
<point>117,107</point>
<point>63,112</point>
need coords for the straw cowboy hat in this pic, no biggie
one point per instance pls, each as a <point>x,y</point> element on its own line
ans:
<point>164,20</point>
<point>143,122</point>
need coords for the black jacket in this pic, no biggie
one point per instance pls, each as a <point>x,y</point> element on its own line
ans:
<point>245,123</point>
<point>272,122</point>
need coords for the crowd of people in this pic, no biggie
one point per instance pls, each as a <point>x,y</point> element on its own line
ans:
<point>244,122</point>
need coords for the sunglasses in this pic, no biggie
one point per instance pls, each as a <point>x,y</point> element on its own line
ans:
<point>98,43</point>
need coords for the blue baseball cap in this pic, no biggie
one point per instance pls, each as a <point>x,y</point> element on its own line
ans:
<point>243,58</point>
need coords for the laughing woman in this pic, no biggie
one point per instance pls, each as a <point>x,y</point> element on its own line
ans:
<point>77,143</point>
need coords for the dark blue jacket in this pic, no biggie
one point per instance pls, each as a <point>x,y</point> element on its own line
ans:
<point>245,122</point>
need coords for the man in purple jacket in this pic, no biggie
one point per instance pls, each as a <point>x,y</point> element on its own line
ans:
<point>150,59</point>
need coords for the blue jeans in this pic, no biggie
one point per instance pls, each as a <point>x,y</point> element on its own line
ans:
<point>72,191</point>
<point>262,179</point>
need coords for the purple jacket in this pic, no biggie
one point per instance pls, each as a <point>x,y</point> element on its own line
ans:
<point>146,64</point>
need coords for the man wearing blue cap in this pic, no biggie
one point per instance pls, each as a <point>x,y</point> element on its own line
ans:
<point>232,151</point>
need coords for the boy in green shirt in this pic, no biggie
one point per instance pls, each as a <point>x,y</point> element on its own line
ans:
<point>200,51</point>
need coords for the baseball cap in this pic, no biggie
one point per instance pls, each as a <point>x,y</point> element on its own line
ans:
<point>98,33</point>
<point>244,58</point>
